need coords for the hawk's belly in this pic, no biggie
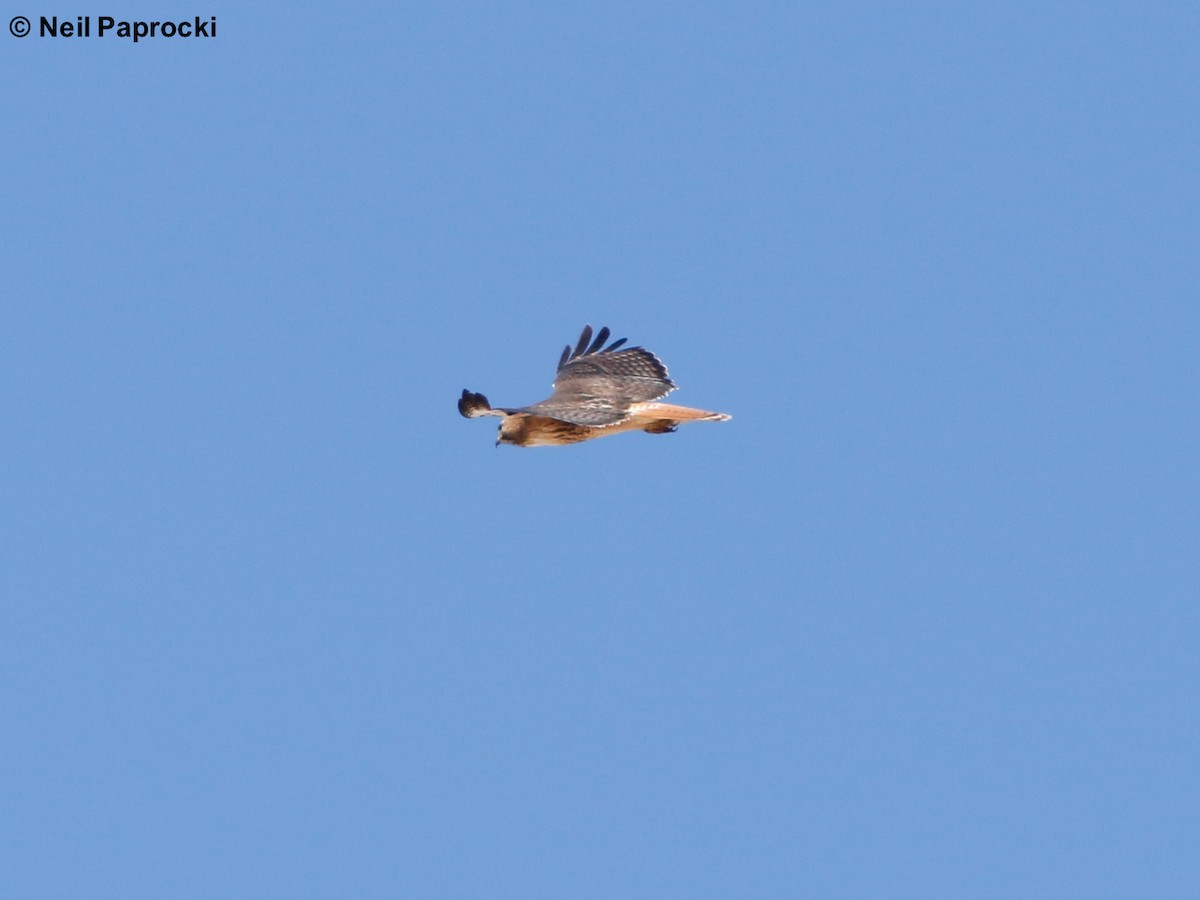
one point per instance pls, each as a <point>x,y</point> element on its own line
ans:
<point>542,431</point>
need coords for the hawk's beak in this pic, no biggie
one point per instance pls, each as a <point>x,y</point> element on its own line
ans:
<point>497,440</point>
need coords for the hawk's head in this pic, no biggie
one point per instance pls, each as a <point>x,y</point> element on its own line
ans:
<point>511,431</point>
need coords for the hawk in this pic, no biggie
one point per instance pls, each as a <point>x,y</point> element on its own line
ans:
<point>598,391</point>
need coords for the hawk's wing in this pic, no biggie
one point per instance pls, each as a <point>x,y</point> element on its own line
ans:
<point>596,384</point>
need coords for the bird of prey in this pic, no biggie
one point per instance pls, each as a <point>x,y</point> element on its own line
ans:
<point>598,391</point>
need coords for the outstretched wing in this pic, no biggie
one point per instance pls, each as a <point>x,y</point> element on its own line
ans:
<point>596,384</point>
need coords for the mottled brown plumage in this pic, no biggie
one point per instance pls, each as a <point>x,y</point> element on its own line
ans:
<point>598,391</point>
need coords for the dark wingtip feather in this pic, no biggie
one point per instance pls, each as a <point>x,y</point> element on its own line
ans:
<point>584,339</point>
<point>469,402</point>
<point>586,346</point>
<point>601,337</point>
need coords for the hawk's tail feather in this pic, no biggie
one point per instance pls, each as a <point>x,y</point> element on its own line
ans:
<point>676,413</point>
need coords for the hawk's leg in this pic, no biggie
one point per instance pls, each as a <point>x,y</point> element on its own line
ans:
<point>662,426</point>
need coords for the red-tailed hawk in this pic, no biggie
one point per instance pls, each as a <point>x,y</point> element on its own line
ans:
<point>598,391</point>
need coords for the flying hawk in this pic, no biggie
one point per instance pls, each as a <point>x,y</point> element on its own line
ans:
<point>598,391</point>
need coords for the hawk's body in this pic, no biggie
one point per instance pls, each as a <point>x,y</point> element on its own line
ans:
<point>598,391</point>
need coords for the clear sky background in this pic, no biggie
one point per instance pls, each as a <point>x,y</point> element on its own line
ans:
<point>920,621</point>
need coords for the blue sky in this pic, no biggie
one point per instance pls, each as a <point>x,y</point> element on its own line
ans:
<point>921,621</point>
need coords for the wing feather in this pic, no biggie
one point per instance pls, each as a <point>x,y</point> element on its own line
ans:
<point>584,339</point>
<point>601,337</point>
<point>596,385</point>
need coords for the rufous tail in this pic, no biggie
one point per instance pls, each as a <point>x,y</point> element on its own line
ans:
<point>676,413</point>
